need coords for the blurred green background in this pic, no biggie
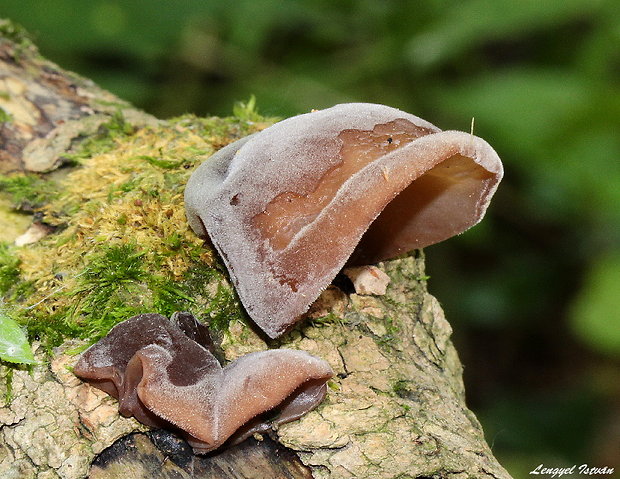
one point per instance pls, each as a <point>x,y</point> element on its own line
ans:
<point>533,293</point>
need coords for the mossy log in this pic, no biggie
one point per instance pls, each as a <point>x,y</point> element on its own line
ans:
<point>101,185</point>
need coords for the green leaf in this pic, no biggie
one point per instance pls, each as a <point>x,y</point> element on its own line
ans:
<point>14,345</point>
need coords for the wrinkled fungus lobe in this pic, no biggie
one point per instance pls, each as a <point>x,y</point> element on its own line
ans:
<point>357,183</point>
<point>162,373</point>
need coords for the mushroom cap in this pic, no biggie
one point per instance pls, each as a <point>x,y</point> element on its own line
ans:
<point>164,378</point>
<point>357,183</point>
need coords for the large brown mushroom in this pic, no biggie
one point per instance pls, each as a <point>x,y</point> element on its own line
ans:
<point>164,375</point>
<point>357,183</point>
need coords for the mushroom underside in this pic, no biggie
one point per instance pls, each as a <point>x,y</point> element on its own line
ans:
<point>445,201</point>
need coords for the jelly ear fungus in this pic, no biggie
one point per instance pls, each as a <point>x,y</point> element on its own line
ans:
<point>357,183</point>
<point>164,375</point>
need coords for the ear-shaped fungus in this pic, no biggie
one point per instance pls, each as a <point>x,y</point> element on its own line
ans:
<point>163,374</point>
<point>357,183</point>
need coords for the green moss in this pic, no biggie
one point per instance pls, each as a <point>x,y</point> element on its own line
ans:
<point>402,388</point>
<point>246,120</point>
<point>392,335</point>
<point>129,185</point>
<point>224,308</point>
<point>330,318</point>
<point>5,117</point>
<point>170,296</point>
<point>15,33</point>
<point>12,286</point>
<point>118,127</point>
<point>9,268</point>
<point>394,303</point>
<point>114,267</point>
<point>119,282</point>
<point>106,138</point>
<point>105,294</point>
<point>161,162</point>
<point>28,191</point>
<point>221,307</point>
<point>108,290</point>
<point>8,370</point>
<point>411,272</point>
<point>8,381</point>
<point>174,241</point>
<point>247,111</point>
<point>50,329</point>
<point>123,246</point>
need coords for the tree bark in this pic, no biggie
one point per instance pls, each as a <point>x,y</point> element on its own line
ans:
<point>395,410</point>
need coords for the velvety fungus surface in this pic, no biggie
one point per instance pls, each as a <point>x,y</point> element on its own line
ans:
<point>357,183</point>
<point>162,373</point>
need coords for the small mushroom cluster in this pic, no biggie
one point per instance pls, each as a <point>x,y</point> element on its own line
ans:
<point>163,373</point>
<point>287,208</point>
